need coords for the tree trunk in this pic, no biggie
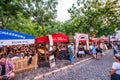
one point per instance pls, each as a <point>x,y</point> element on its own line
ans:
<point>4,23</point>
<point>43,29</point>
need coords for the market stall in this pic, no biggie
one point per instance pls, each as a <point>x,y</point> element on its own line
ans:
<point>81,37</point>
<point>15,46</point>
<point>50,40</point>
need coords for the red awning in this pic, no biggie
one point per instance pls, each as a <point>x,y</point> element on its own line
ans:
<point>82,40</point>
<point>89,40</point>
<point>60,38</point>
<point>43,39</point>
<point>56,38</point>
<point>104,39</point>
<point>95,40</point>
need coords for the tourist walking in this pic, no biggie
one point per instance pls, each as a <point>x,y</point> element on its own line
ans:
<point>99,52</point>
<point>115,48</point>
<point>63,52</point>
<point>94,51</point>
<point>71,52</point>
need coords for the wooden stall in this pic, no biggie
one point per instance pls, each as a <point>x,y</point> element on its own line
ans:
<point>55,38</point>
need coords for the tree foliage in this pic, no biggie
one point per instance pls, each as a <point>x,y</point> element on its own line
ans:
<point>37,17</point>
<point>103,16</point>
<point>23,25</point>
<point>34,17</point>
<point>8,9</point>
<point>43,12</point>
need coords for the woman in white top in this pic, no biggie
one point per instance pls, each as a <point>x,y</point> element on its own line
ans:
<point>115,72</point>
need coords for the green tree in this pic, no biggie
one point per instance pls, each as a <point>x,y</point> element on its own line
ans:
<point>43,12</point>
<point>23,25</point>
<point>33,17</point>
<point>54,27</point>
<point>8,10</point>
<point>103,16</point>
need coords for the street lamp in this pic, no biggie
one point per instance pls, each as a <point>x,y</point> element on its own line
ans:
<point>91,30</point>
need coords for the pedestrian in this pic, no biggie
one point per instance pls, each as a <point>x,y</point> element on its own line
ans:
<point>63,52</point>
<point>99,52</point>
<point>6,70</point>
<point>104,48</point>
<point>81,51</point>
<point>94,51</point>
<point>71,52</point>
<point>115,48</point>
<point>115,71</point>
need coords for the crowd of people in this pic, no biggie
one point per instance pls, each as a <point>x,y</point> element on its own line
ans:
<point>95,49</point>
<point>9,53</point>
<point>67,50</point>
<point>59,50</point>
<point>17,51</point>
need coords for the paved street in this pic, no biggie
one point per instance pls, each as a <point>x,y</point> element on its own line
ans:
<point>90,70</point>
<point>44,68</point>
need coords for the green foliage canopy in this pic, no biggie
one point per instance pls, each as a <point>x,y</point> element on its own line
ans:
<point>101,15</point>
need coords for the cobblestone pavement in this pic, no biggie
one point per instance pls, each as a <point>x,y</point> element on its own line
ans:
<point>89,70</point>
<point>44,68</point>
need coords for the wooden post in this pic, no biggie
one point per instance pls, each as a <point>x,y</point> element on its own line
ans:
<point>36,60</point>
<point>45,52</point>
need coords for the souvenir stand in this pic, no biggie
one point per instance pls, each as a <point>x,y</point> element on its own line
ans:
<point>9,38</point>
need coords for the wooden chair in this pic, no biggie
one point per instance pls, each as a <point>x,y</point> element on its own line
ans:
<point>43,54</point>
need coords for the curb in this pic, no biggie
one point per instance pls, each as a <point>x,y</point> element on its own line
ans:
<point>60,70</point>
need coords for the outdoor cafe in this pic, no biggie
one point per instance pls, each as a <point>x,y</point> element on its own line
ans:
<point>18,48</point>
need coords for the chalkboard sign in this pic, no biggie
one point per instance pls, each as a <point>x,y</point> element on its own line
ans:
<point>52,61</point>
